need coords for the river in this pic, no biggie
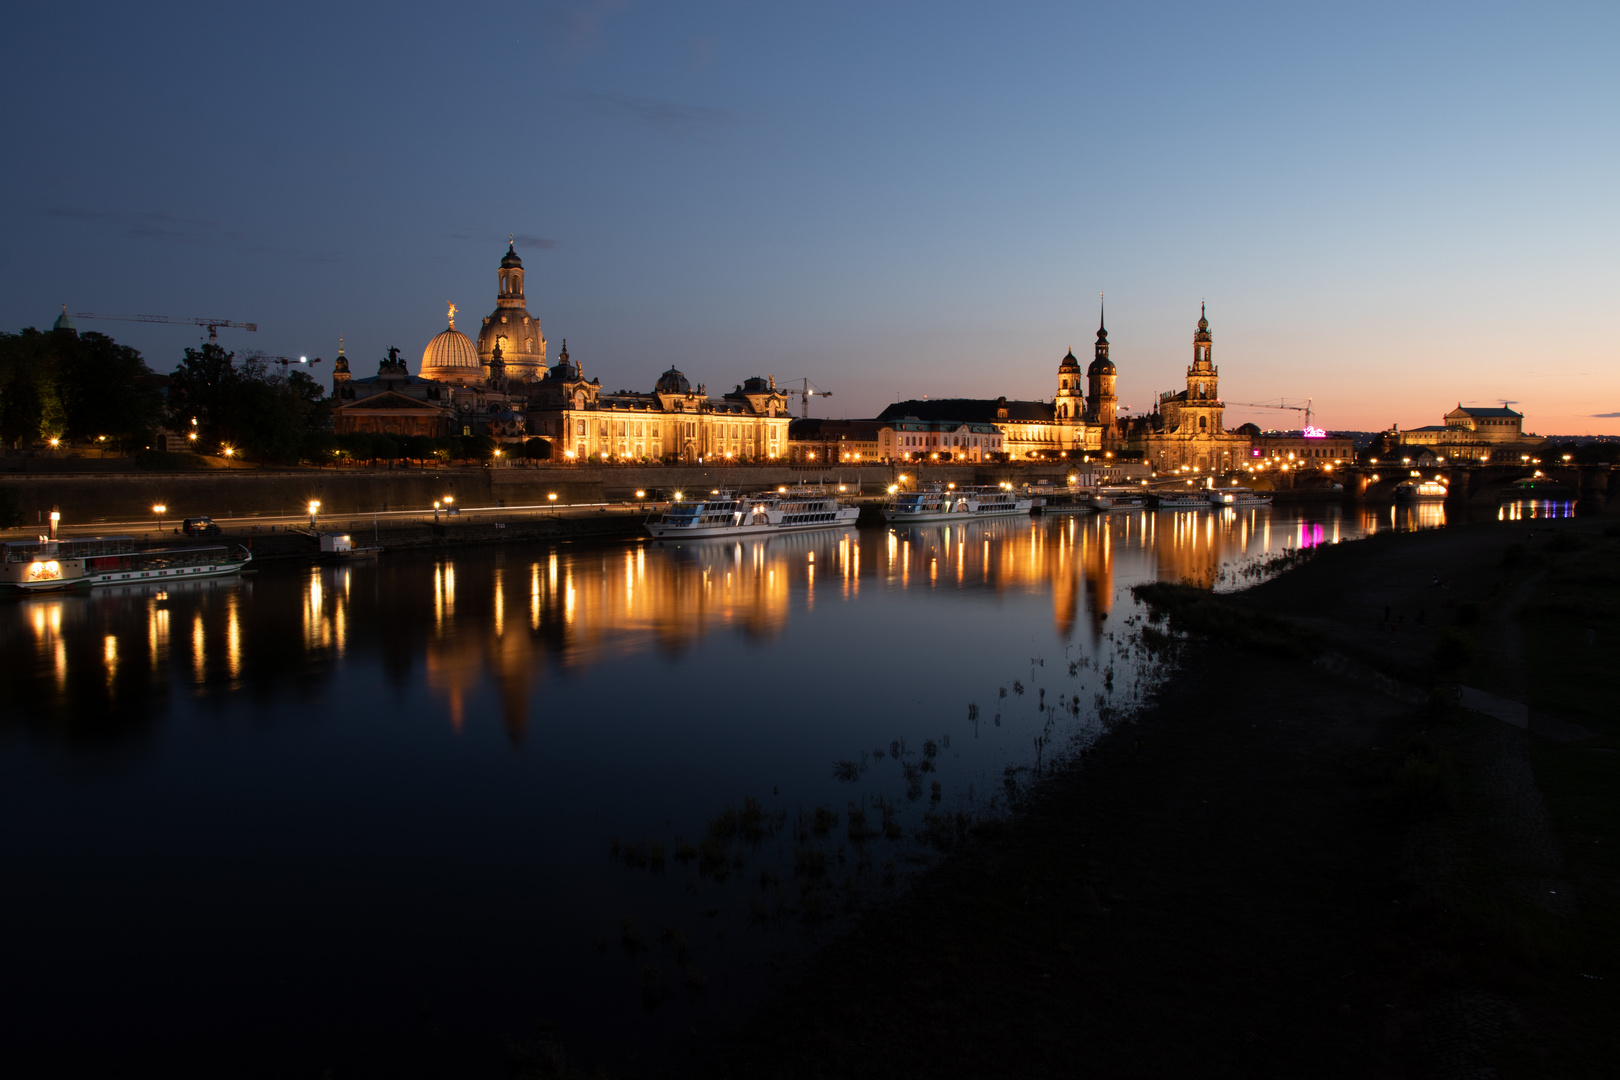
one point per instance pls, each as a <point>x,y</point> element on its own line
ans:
<point>379,817</point>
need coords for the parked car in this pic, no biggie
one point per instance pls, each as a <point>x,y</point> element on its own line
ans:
<point>199,526</point>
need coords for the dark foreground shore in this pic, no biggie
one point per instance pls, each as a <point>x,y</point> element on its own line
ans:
<point>1304,859</point>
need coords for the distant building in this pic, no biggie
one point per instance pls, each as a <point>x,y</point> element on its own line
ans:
<point>1474,434</point>
<point>1310,448</point>
<point>838,441</point>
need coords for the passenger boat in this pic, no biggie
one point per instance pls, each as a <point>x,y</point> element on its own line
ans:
<point>1420,491</point>
<point>1238,496</point>
<point>725,513</point>
<point>1076,502</point>
<point>936,503</point>
<point>1107,499</point>
<point>46,565</point>
<point>1180,499</point>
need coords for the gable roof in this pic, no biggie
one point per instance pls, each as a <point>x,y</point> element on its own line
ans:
<point>972,410</point>
<point>391,401</point>
<point>1469,410</point>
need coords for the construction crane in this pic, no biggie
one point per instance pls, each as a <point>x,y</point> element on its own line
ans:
<point>806,392</point>
<point>1283,404</point>
<point>285,361</point>
<point>212,324</point>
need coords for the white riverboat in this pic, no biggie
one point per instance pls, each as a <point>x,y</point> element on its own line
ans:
<point>937,503</point>
<point>46,565</point>
<point>1238,496</point>
<point>1108,499</point>
<point>1180,499</point>
<point>725,513</point>
<point>1420,491</point>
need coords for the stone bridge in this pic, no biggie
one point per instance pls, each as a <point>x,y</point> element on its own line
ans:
<point>1489,484</point>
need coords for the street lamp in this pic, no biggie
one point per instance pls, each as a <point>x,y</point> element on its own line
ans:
<point>552,496</point>
<point>435,511</point>
<point>314,505</point>
<point>159,510</point>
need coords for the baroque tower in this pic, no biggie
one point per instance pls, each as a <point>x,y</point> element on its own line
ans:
<point>1070,401</point>
<point>1104,406</point>
<point>523,346</point>
<point>1202,411</point>
<point>341,389</point>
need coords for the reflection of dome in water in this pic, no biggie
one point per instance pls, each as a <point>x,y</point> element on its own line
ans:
<point>451,355</point>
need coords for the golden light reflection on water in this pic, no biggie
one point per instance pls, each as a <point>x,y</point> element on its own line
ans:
<point>456,613</point>
<point>199,648</point>
<point>233,636</point>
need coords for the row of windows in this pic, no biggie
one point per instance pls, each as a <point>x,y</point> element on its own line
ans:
<point>806,519</point>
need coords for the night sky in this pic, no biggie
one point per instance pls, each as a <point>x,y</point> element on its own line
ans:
<point>1390,208</point>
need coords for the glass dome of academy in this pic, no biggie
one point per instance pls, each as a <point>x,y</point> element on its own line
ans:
<point>523,346</point>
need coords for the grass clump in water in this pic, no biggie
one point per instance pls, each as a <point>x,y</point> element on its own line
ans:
<point>1200,610</point>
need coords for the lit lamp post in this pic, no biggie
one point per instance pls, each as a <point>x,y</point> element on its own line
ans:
<point>229,453</point>
<point>158,511</point>
<point>435,511</point>
<point>314,505</point>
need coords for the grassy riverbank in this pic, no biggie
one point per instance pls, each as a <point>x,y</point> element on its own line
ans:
<point>1298,862</point>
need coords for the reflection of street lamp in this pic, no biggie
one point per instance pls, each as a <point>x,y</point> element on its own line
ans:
<point>159,510</point>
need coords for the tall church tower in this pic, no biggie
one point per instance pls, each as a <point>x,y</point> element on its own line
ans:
<point>1104,407</point>
<point>1069,404</point>
<point>341,389</point>
<point>523,346</point>
<point>1203,408</point>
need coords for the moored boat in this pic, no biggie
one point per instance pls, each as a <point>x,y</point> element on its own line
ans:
<point>1107,499</point>
<point>1420,491</point>
<point>1180,499</point>
<point>725,513</point>
<point>46,565</point>
<point>1238,496</point>
<point>936,503</point>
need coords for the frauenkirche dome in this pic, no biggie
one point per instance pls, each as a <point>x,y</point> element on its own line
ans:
<point>510,325</point>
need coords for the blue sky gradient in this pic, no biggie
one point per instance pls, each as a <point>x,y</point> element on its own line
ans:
<point>1390,208</point>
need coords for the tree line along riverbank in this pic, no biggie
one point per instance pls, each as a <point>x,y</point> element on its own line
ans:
<point>1306,858</point>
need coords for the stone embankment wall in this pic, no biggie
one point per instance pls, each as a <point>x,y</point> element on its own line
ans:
<point>223,494</point>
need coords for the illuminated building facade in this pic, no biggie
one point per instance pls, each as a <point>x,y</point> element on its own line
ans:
<point>1475,434</point>
<point>675,422</point>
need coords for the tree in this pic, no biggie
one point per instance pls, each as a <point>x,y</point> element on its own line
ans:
<point>537,449</point>
<point>107,391</point>
<point>418,447</point>
<point>271,417</point>
<point>62,385</point>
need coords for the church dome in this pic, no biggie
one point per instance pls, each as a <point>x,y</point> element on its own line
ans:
<point>1101,366</point>
<point>510,259</point>
<point>672,382</point>
<point>64,323</point>
<point>1069,362</point>
<point>451,355</point>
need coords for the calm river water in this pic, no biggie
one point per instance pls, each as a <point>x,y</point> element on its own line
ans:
<point>380,817</point>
